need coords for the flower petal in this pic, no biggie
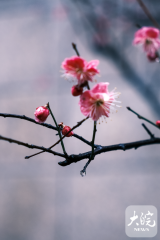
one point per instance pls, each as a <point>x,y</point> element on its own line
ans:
<point>101,87</point>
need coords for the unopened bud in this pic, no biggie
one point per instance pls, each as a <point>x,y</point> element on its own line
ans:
<point>158,123</point>
<point>65,130</point>
<point>41,114</point>
<point>76,90</point>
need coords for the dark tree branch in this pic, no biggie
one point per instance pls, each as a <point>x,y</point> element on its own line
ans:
<point>141,117</point>
<point>123,146</point>
<point>145,9</point>
<point>27,119</point>
<point>84,140</point>
<point>44,125</point>
<point>76,158</point>
<point>31,146</point>
<point>148,131</point>
<point>98,149</point>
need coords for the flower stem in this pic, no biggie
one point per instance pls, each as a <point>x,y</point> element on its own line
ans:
<point>93,138</point>
<point>57,128</point>
<point>75,48</point>
<point>83,172</point>
<point>141,117</point>
<point>145,9</point>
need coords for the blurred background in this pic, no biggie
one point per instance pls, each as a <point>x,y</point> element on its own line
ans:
<point>38,198</point>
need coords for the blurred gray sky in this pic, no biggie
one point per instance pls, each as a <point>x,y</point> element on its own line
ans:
<point>39,199</point>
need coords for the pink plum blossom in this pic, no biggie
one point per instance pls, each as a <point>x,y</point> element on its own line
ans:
<point>41,114</point>
<point>98,101</point>
<point>77,68</point>
<point>149,38</point>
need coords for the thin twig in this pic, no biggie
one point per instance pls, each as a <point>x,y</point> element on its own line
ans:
<point>145,9</point>
<point>27,119</point>
<point>148,131</point>
<point>84,140</point>
<point>23,117</point>
<point>93,139</point>
<point>83,172</point>
<point>141,117</point>
<point>138,25</point>
<point>62,144</point>
<point>88,87</point>
<point>30,146</point>
<point>75,48</point>
<point>78,124</point>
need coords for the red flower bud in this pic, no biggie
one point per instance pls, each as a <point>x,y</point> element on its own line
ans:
<point>65,130</point>
<point>158,123</point>
<point>41,114</point>
<point>76,90</point>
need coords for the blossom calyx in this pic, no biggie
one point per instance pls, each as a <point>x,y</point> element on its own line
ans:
<point>41,114</point>
<point>61,125</point>
<point>76,90</point>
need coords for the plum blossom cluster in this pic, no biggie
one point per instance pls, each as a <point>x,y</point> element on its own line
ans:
<point>148,37</point>
<point>93,103</point>
<point>98,101</point>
